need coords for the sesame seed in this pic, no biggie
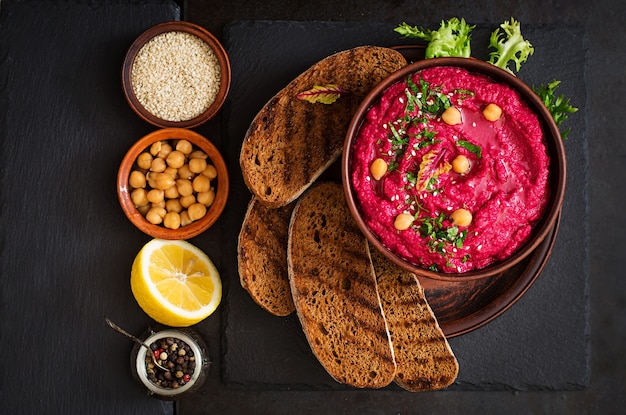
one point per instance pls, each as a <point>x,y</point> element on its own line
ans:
<point>176,76</point>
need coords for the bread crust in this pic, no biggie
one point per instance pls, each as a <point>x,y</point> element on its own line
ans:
<point>290,142</point>
<point>262,257</point>
<point>423,356</point>
<point>334,290</point>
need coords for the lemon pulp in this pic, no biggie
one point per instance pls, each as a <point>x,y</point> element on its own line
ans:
<point>175,282</point>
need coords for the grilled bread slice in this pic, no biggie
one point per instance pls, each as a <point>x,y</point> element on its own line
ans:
<point>334,290</point>
<point>262,257</point>
<point>423,356</point>
<point>291,141</point>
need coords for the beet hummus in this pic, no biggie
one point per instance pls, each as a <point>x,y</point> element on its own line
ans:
<point>450,170</point>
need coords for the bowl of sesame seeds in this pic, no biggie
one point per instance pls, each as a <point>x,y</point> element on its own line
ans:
<point>176,74</point>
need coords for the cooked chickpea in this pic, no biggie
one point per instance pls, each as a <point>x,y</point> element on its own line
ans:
<point>197,154</point>
<point>460,164</point>
<point>158,165</point>
<point>185,188</point>
<point>143,209</point>
<point>175,159</point>
<point>206,198</point>
<point>164,181</point>
<point>201,184</point>
<point>155,215</point>
<point>144,161</point>
<point>196,211</point>
<point>403,221</point>
<point>172,172</point>
<point>165,150</point>
<point>151,179</point>
<point>173,205</point>
<point>184,218</point>
<point>155,196</point>
<point>378,168</point>
<point>197,165</point>
<point>185,173</point>
<point>210,171</point>
<point>155,148</point>
<point>137,179</point>
<point>171,192</point>
<point>492,112</point>
<point>451,116</point>
<point>139,197</point>
<point>159,204</point>
<point>184,146</point>
<point>171,220</point>
<point>187,201</point>
<point>461,217</point>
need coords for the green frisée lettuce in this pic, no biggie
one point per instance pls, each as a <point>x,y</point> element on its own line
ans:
<point>509,46</point>
<point>558,106</point>
<point>451,39</point>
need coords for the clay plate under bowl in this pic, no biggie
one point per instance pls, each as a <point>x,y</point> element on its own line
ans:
<point>221,183</point>
<point>176,26</point>
<point>556,152</point>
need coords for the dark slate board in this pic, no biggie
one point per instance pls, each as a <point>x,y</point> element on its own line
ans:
<point>65,246</point>
<point>542,342</point>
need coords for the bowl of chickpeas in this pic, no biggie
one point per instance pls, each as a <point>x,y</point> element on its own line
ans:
<point>173,184</point>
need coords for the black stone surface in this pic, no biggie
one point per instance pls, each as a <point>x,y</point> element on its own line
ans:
<point>66,248</point>
<point>265,56</point>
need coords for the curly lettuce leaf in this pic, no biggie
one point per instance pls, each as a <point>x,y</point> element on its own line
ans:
<point>558,106</point>
<point>451,39</point>
<point>509,46</point>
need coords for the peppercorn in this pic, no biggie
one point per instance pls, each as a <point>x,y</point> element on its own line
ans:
<point>177,356</point>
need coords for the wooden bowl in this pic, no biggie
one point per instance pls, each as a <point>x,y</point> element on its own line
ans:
<point>176,27</point>
<point>553,141</point>
<point>221,184</point>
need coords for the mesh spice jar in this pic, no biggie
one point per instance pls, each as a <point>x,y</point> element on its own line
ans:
<point>182,352</point>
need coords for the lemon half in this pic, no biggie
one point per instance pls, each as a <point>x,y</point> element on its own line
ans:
<point>175,282</point>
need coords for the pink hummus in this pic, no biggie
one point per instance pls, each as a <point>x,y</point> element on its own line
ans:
<point>505,189</point>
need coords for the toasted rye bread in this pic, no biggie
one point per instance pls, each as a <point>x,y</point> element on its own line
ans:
<point>291,142</point>
<point>423,356</point>
<point>334,290</point>
<point>262,257</point>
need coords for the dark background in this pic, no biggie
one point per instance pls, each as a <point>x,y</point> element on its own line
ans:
<point>605,76</point>
<point>64,127</point>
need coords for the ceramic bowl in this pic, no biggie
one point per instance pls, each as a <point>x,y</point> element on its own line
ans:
<point>553,141</point>
<point>220,183</point>
<point>153,68</point>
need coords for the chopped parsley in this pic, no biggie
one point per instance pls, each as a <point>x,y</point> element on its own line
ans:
<point>472,148</point>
